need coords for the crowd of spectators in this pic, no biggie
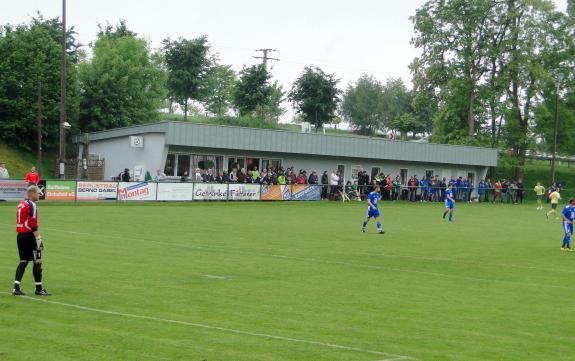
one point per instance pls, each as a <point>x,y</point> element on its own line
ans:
<point>413,189</point>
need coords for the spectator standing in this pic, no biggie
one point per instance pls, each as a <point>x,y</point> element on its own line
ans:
<point>324,183</point>
<point>185,177</point>
<point>242,176</point>
<point>198,175</point>
<point>160,176</point>
<point>255,174</point>
<point>233,176</point>
<point>125,176</point>
<point>32,178</point>
<point>313,178</point>
<point>497,195</point>
<point>396,188</point>
<point>292,177</point>
<point>4,171</point>
<point>481,189</point>
<point>519,191</point>
<point>333,182</point>
<point>488,189</point>
<point>281,178</point>
<point>225,177</point>
<point>220,177</point>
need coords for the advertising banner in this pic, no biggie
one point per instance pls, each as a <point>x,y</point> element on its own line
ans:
<point>210,192</point>
<point>275,193</point>
<point>175,191</point>
<point>305,192</point>
<point>136,191</point>
<point>60,190</point>
<point>12,189</point>
<point>244,192</point>
<point>97,191</point>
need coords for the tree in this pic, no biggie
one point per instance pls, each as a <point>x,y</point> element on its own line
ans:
<point>315,96</point>
<point>407,122</point>
<point>30,62</point>
<point>458,39</point>
<point>122,84</point>
<point>253,94</point>
<point>188,63</point>
<point>220,82</point>
<point>362,105</point>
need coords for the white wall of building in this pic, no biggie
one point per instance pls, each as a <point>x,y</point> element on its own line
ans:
<point>119,154</point>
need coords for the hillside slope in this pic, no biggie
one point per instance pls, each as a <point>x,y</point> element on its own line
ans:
<point>19,161</point>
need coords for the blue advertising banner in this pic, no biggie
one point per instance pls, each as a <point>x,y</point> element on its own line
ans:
<point>304,192</point>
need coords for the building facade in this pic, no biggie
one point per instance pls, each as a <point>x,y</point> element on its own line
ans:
<point>178,148</point>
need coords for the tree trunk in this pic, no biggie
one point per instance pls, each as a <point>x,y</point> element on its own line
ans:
<point>186,110</point>
<point>471,115</point>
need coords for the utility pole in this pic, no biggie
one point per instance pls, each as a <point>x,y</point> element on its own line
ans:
<point>554,155</point>
<point>265,56</point>
<point>62,143</point>
<point>39,115</point>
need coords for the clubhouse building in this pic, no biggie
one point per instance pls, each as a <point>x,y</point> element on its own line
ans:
<point>180,147</point>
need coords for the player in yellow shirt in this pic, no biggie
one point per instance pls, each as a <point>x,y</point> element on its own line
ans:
<point>539,192</point>
<point>555,198</point>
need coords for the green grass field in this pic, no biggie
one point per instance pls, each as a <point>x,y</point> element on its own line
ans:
<point>290,281</point>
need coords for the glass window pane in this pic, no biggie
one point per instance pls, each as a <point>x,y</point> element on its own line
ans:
<point>170,164</point>
<point>183,165</point>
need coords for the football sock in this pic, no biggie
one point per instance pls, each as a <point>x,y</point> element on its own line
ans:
<point>37,270</point>
<point>20,273</point>
<point>364,224</point>
<point>566,241</point>
<point>445,213</point>
<point>379,226</point>
<point>450,216</point>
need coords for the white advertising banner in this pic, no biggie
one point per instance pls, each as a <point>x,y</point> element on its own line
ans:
<point>210,192</point>
<point>175,191</point>
<point>244,192</point>
<point>97,191</point>
<point>137,191</point>
<point>12,189</point>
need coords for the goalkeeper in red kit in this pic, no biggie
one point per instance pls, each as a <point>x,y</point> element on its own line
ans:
<point>29,241</point>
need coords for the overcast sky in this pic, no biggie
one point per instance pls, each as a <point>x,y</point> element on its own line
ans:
<point>346,37</point>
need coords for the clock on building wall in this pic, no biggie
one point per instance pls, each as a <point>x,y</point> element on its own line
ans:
<point>137,142</point>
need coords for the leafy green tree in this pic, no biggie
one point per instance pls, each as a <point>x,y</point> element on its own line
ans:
<point>362,105</point>
<point>254,95</point>
<point>122,84</point>
<point>220,82</point>
<point>30,63</point>
<point>188,63</point>
<point>407,122</point>
<point>316,97</point>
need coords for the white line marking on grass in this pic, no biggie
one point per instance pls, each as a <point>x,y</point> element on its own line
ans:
<point>225,278</point>
<point>316,260</point>
<point>218,328</point>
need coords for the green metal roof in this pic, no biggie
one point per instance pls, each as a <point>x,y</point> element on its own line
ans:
<point>279,141</point>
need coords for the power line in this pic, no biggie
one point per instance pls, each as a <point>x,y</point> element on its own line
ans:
<point>265,56</point>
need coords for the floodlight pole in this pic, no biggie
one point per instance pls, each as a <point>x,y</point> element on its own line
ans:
<point>62,142</point>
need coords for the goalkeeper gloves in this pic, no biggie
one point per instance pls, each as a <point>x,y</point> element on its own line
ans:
<point>39,243</point>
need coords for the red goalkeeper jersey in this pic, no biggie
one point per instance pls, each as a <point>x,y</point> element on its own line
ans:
<point>26,217</point>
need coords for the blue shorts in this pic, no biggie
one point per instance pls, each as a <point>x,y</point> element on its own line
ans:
<point>372,212</point>
<point>449,204</point>
<point>568,228</point>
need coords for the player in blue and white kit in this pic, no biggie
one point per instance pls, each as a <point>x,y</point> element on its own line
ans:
<point>568,216</point>
<point>373,210</point>
<point>449,202</point>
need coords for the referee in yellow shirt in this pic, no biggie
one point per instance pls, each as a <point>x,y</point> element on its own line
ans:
<point>539,192</point>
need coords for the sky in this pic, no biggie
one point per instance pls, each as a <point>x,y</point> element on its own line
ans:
<point>345,37</point>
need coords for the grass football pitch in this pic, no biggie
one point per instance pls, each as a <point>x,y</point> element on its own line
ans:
<point>290,281</point>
